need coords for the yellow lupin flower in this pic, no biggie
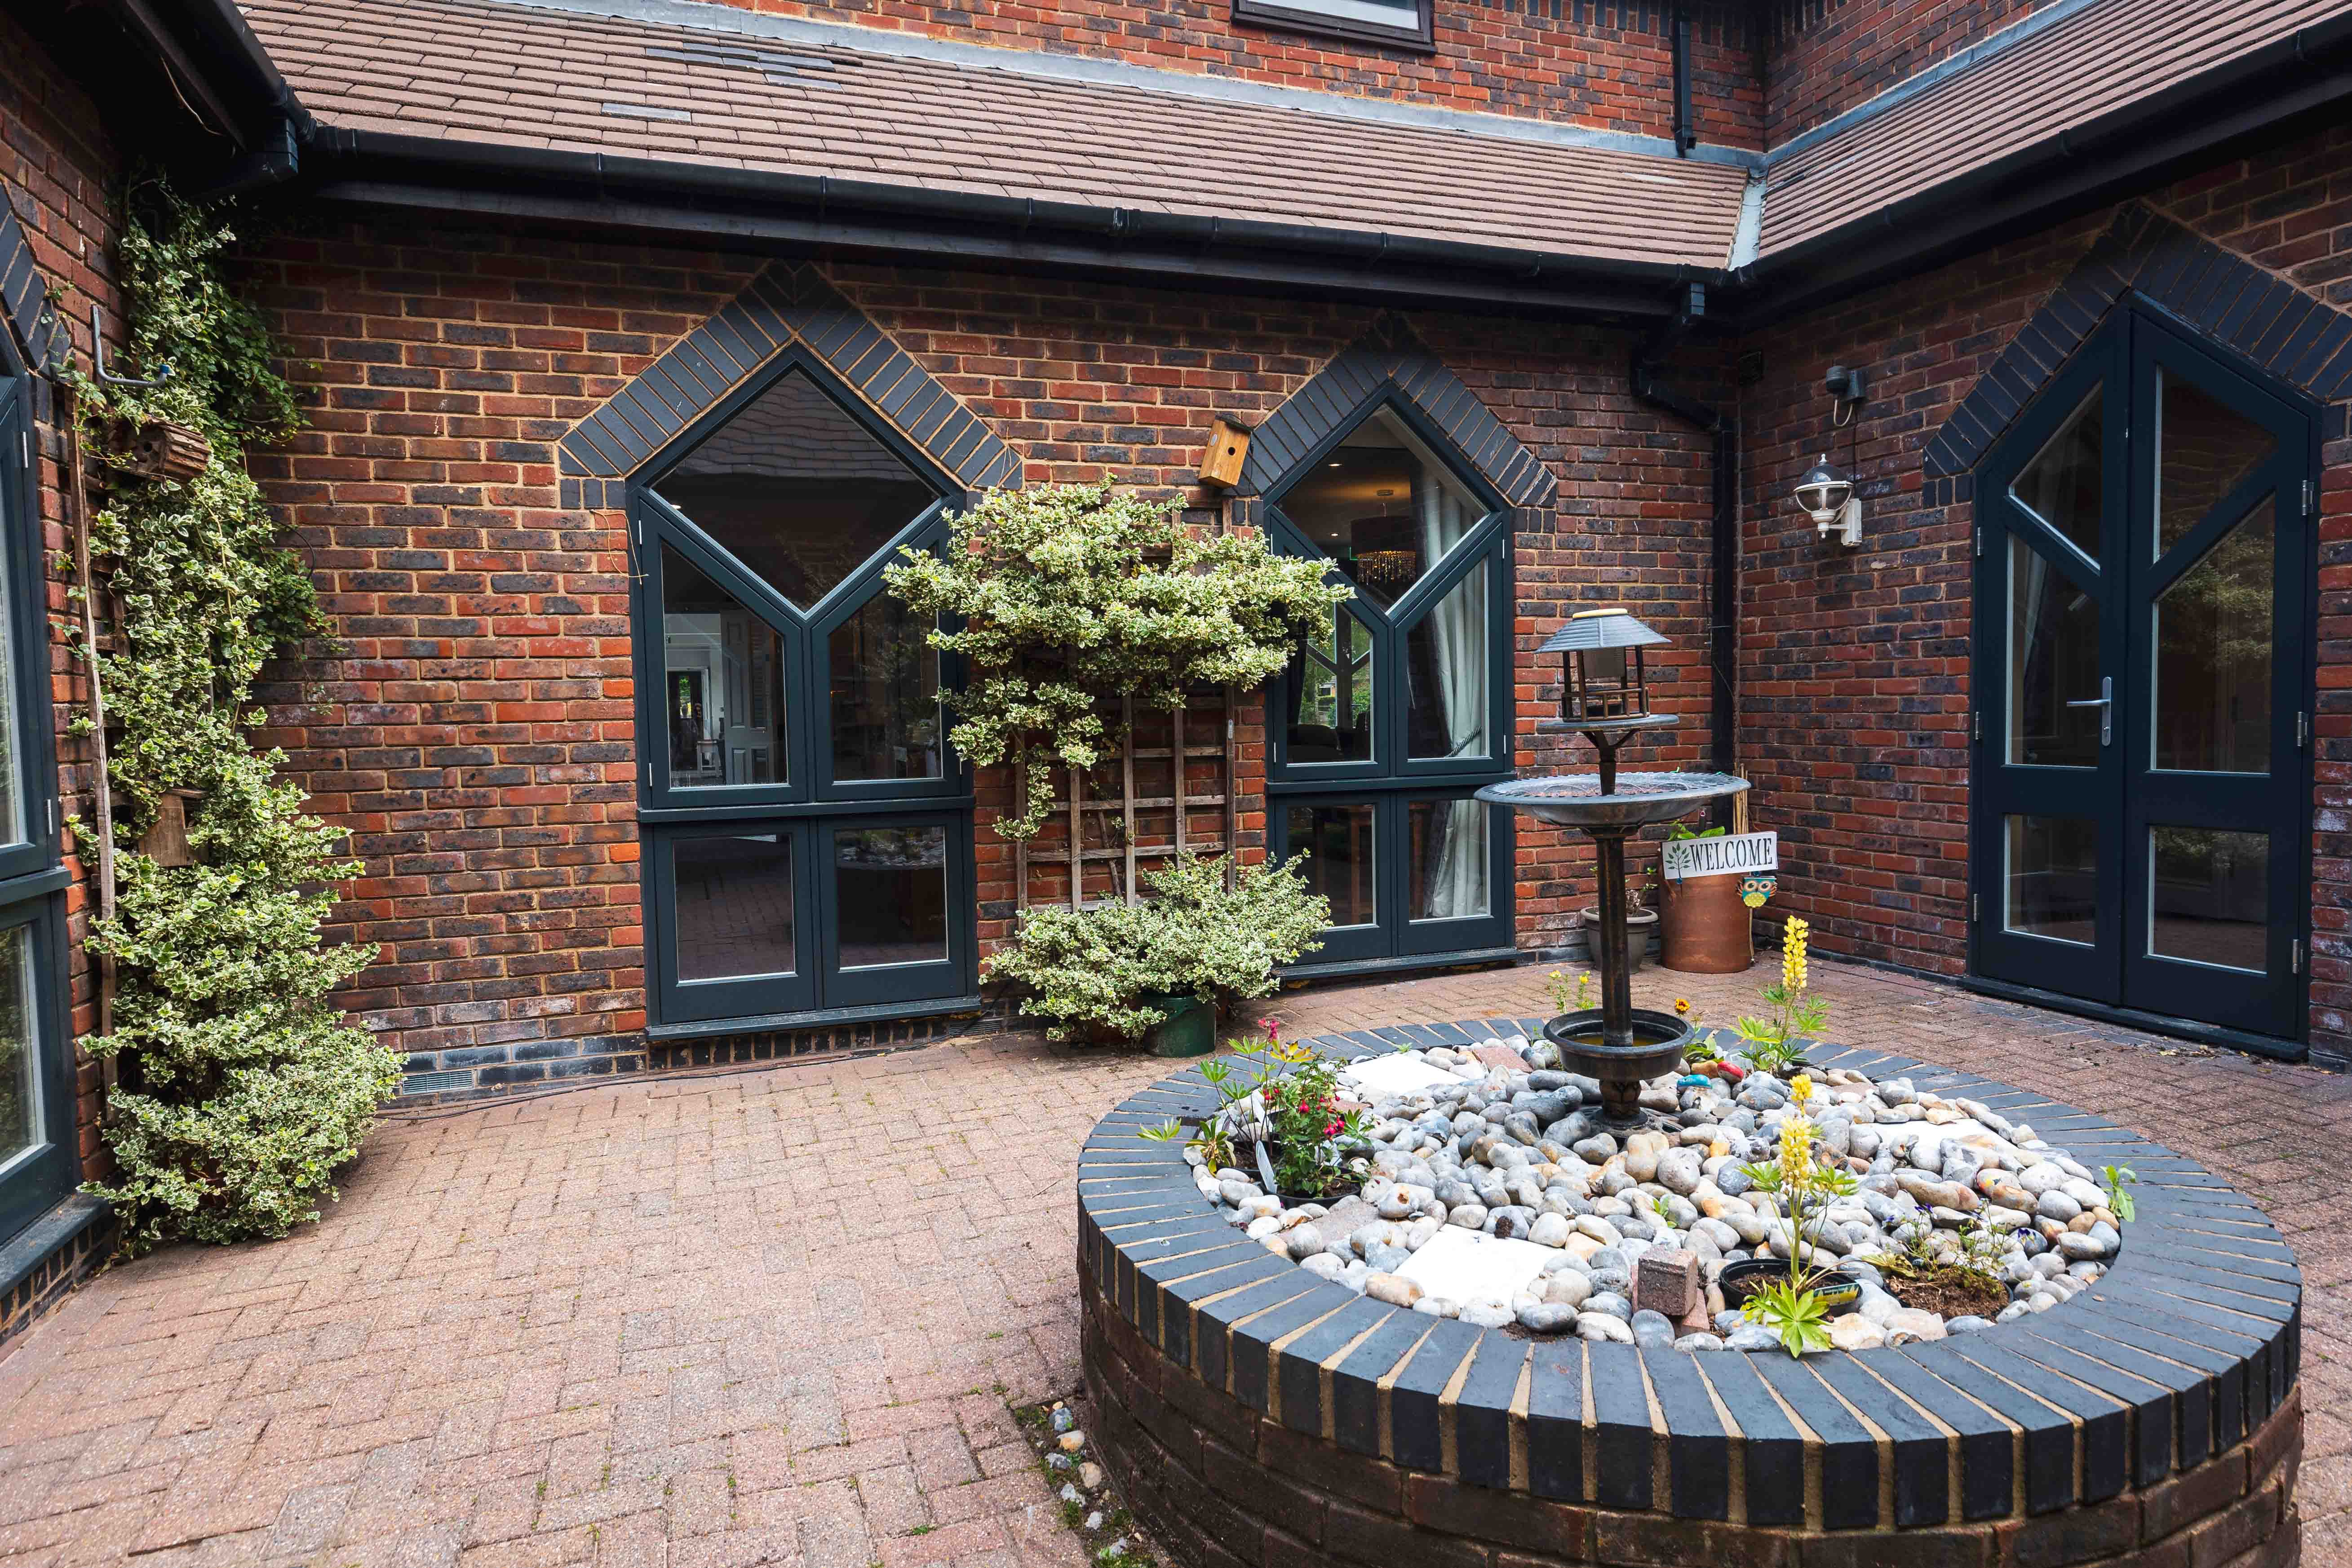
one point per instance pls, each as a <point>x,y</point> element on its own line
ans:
<point>1796,1152</point>
<point>1792,956</point>
<point>1800,1088</point>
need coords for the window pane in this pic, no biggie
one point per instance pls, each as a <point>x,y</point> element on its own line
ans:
<point>2053,659</point>
<point>20,1084</point>
<point>1449,860</point>
<point>734,899</point>
<point>886,695</point>
<point>1402,15</point>
<point>2052,877</point>
<point>796,489</point>
<point>1332,722</point>
<point>1383,507</point>
<point>1445,674</point>
<point>2204,452</point>
<point>724,691</point>
<point>891,895</point>
<point>1339,843</point>
<point>2061,485</point>
<point>2213,655</point>
<point>2210,896</point>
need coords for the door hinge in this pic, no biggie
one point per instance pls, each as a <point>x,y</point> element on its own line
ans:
<point>24,443</point>
<point>1980,541</point>
<point>2311,498</point>
<point>1975,726</point>
<point>649,775</point>
<point>1974,913</point>
<point>2295,961</point>
<point>2302,730</point>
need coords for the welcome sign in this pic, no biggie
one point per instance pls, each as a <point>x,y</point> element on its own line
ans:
<point>1742,854</point>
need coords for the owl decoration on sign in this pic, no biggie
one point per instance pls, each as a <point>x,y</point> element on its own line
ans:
<point>1754,891</point>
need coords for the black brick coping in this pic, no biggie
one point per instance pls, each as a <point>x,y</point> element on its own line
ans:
<point>2178,1354</point>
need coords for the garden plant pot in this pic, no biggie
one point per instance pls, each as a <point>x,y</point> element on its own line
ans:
<point>1190,1029</point>
<point>1705,927</point>
<point>1641,929</point>
<point>1840,1292</point>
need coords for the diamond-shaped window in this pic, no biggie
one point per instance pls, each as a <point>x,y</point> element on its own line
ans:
<point>797,491</point>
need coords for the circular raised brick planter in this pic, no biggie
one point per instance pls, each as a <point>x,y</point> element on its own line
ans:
<point>1254,1414</point>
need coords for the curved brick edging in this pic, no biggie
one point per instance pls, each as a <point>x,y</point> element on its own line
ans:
<point>1259,1416</point>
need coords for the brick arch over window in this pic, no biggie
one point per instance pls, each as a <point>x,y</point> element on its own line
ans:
<point>1390,355</point>
<point>2302,340</point>
<point>36,338</point>
<point>786,303</point>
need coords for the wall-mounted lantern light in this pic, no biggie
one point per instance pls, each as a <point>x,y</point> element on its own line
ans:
<point>1826,495</point>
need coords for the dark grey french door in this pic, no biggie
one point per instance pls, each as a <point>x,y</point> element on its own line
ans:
<point>2143,662</point>
<point>1399,708</point>
<point>808,830</point>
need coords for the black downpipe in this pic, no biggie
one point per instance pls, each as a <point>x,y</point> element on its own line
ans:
<point>1723,597</point>
<point>1686,134</point>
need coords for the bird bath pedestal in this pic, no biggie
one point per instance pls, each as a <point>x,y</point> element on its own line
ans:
<point>1619,1044</point>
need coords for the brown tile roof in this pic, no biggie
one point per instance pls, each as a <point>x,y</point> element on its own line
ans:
<point>483,71</point>
<point>2104,57</point>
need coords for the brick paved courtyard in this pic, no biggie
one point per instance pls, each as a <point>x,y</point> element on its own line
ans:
<point>776,1316</point>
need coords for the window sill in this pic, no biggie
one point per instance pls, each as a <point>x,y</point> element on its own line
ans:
<point>817,1018</point>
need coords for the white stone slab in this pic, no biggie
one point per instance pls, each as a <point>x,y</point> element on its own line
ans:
<point>1469,1266</point>
<point>1395,1074</point>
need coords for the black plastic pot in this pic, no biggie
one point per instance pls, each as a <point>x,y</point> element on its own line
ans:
<point>1744,1276</point>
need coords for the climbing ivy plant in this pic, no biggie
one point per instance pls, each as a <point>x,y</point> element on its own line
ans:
<point>241,1087</point>
<point>1068,597</point>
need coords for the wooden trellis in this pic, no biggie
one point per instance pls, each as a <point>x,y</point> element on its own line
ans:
<point>1169,793</point>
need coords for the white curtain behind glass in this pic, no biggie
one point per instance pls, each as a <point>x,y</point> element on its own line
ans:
<point>1456,850</point>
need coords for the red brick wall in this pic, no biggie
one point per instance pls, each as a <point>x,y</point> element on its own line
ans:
<point>1605,63</point>
<point>1855,668</point>
<point>1827,56</point>
<point>57,165</point>
<point>475,728</point>
<point>1854,665</point>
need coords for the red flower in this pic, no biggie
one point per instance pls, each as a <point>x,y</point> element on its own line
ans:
<point>1334,1125</point>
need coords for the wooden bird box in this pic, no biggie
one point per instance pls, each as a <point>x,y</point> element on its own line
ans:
<point>1228,449</point>
<point>160,451</point>
<point>166,841</point>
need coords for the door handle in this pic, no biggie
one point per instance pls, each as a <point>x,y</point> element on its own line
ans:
<point>2106,703</point>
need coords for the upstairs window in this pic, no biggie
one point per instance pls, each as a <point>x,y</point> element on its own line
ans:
<point>1393,24</point>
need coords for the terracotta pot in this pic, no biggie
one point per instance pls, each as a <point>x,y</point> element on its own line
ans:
<point>1704,928</point>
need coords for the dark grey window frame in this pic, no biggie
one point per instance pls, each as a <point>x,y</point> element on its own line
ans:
<point>1304,18</point>
<point>1389,778</point>
<point>32,878</point>
<point>810,804</point>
